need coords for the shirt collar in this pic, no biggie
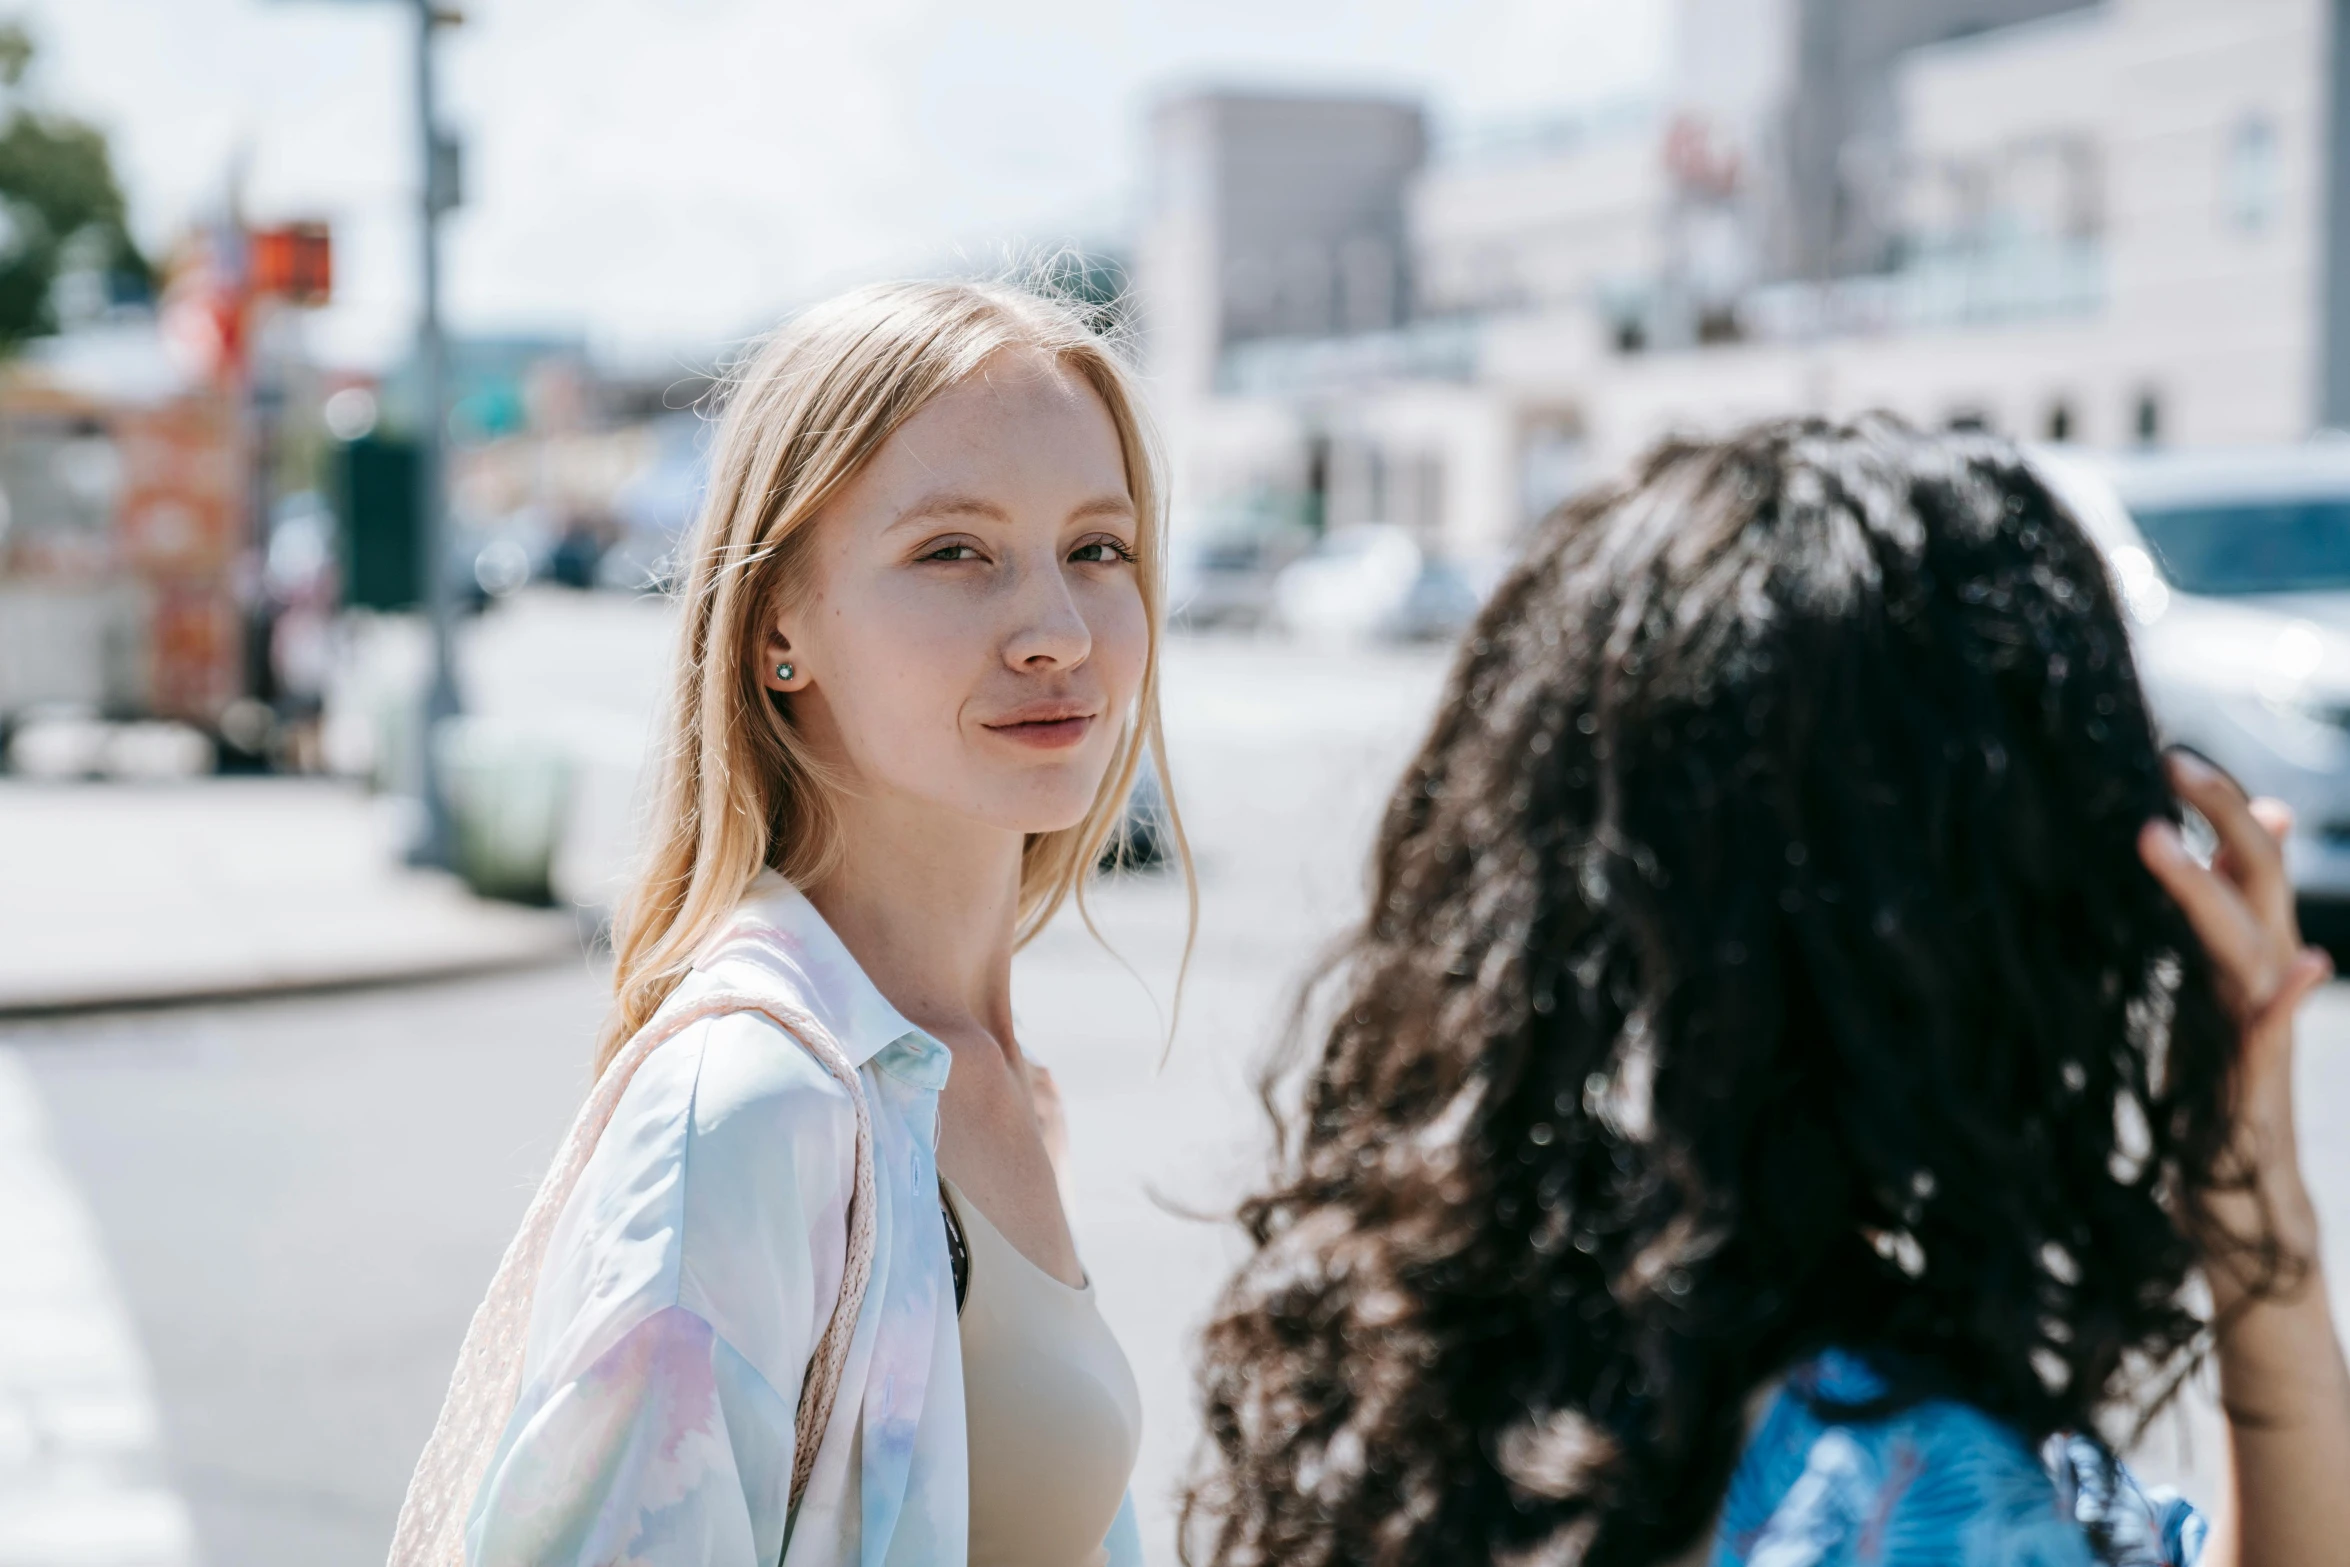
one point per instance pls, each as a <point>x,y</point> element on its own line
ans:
<point>778,932</point>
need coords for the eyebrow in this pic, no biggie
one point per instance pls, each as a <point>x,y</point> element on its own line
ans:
<point>957,503</point>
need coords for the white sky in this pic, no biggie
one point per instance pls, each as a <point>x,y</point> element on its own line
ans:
<point>666,174</point>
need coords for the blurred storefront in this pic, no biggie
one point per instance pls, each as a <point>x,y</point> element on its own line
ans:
<point>142,454</point>
<point>203,530</point>
<point>120,585</point>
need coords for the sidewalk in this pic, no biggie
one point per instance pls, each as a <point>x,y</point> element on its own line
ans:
<point>125,895</point>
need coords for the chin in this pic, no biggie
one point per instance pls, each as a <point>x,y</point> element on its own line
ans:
<point>1044,807</point>
<point>1054,821</point>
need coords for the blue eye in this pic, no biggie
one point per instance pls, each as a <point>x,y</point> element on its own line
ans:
<point>1101,552</point>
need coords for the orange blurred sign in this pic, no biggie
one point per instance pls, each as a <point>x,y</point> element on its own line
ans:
<point>293,262</point>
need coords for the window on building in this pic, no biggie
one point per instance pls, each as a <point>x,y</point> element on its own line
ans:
<point>1554,463</point>
<point>1967,419</point>
<point>1367,291</point>
<point>1719,324</point>
<point>2059,425</point>
<point>2250,177</point>
<point>2147,420</point>
<point>2084,206</point>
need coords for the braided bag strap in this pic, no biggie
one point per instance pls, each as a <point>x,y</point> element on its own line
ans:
<point>820,1387</point>
<point>488,1378</point>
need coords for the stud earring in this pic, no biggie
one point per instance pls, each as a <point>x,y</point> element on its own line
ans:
<point>783,671</point>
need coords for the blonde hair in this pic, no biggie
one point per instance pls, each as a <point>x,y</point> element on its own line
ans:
<point>738,789</point>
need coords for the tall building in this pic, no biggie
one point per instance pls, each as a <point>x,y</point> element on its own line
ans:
<point>1274,217</point>
<point>1842,118</point>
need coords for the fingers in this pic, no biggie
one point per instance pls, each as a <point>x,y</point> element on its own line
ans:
<point>2251,852</point>
<point>2241,908</point>
<point>2247,954</point>
<point>2275,818</point>
<point>2310,968</point>
<point>2265,1066</point>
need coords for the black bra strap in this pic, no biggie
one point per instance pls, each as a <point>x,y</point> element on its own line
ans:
<point>958,1250</point>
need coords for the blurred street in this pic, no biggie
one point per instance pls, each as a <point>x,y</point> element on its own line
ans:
<point>299,1200</point>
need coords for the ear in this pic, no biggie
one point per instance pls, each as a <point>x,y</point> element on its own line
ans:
<point>778,653</point>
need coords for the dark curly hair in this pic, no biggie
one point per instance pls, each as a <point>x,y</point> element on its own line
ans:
<point>1759,960</point>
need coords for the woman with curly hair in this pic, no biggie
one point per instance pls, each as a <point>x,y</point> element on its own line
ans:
<point>1795,1098</point>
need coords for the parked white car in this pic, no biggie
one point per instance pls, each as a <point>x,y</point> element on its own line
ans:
<point>2236,568</point>
<point>1374,582</point>
<point>1348,583</point>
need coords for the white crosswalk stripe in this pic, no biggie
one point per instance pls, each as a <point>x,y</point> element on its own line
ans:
<point>82,1480</point>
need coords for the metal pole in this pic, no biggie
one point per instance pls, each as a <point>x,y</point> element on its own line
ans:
<point>440,700</point>
<point>2333,400</point>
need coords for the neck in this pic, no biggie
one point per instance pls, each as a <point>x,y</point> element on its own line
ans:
<point>928,905</point>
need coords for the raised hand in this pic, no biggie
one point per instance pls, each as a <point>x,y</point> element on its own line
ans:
<point>2241,905</point>
<point>2282,1380</point>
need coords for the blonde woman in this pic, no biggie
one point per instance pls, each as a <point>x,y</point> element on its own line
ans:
<point>800,1287</point>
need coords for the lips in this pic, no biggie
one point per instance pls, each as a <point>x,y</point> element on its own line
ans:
<point>1046,725</point>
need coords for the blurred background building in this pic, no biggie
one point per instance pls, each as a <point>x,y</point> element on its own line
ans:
<point>1385,336</point>
<point>2116,223</point>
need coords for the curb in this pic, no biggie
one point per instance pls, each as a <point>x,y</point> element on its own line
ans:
<point>518,940</point>
<point>15,1009</point>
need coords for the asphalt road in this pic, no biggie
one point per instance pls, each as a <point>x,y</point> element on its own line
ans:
<point>301,1199</point>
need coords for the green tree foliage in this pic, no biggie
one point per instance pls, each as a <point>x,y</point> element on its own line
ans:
<point>60,205</point>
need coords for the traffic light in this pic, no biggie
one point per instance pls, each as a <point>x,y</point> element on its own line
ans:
<point>382,523</point>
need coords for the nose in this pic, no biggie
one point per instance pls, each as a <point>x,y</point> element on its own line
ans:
<point>1048,630</point>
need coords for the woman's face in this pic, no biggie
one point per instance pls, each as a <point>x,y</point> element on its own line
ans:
<point>973,634</point>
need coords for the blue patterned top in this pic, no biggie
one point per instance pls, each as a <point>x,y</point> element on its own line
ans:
<point>1935,1485</point>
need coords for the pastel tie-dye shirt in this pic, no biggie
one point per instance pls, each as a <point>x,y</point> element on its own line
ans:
<point>692,1273</point>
